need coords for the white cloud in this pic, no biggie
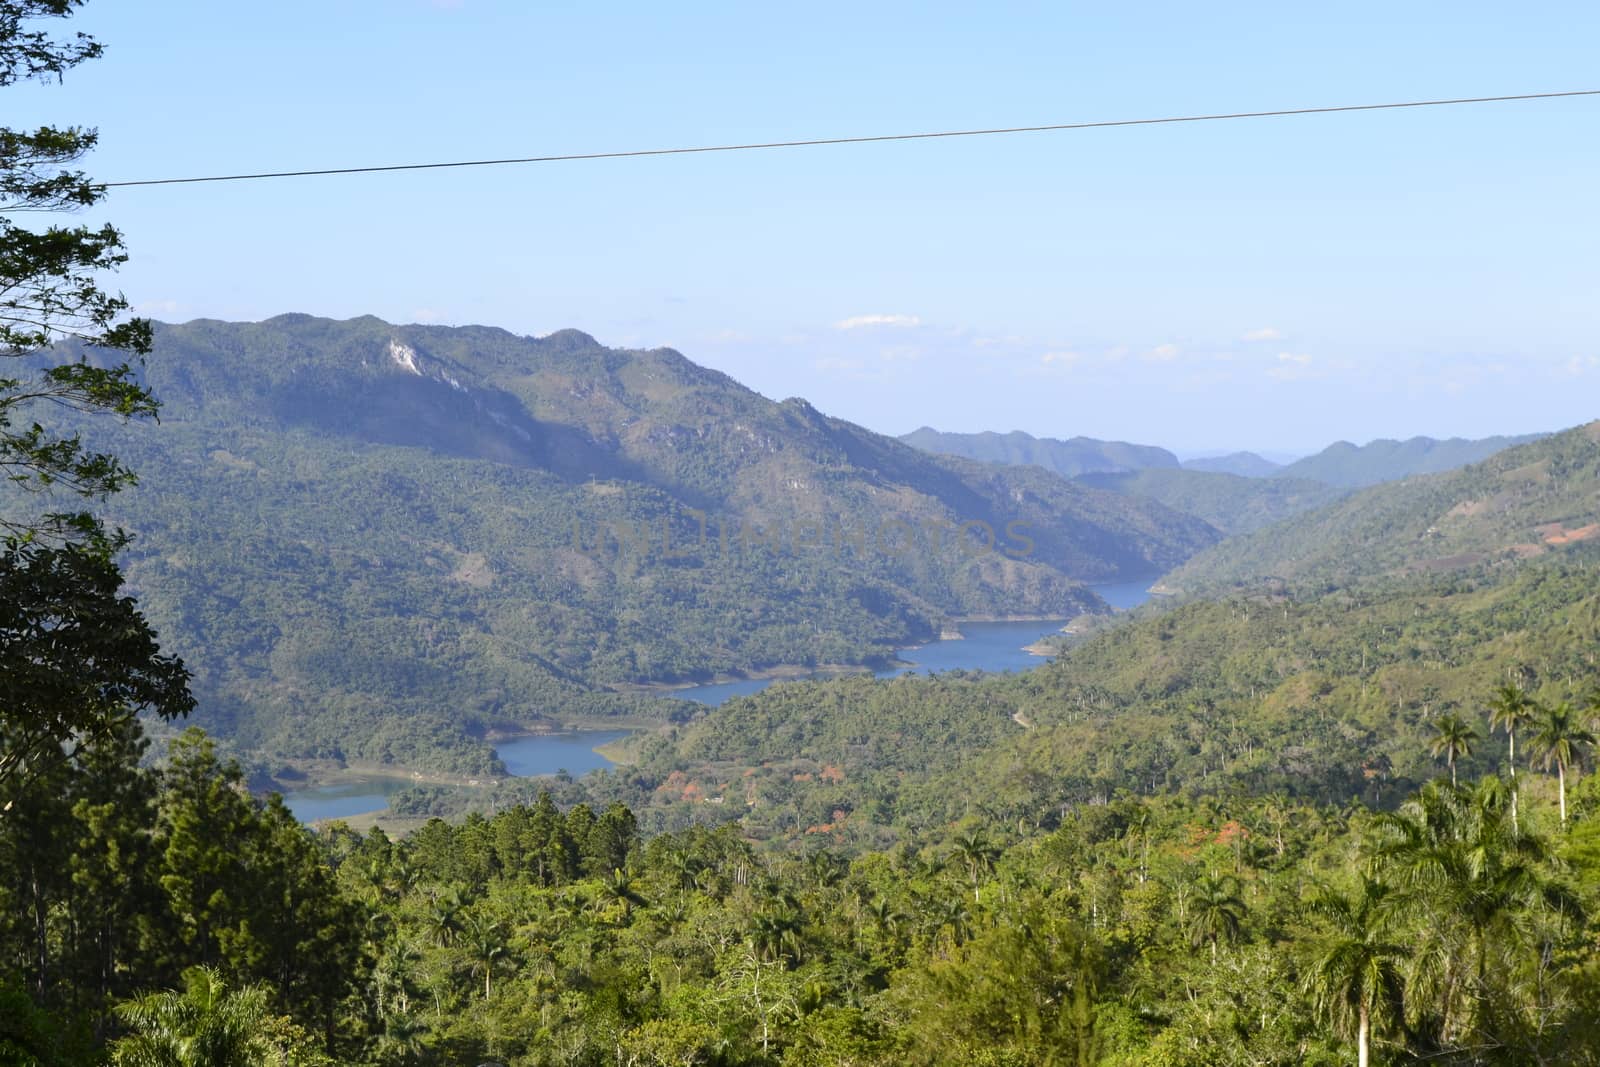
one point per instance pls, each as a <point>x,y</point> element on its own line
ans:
<point>1580,365</point>
<point>1292,366</point>
<point>856,322</point>
<point>1163,353</point>
<point>158,308</point>
<point>1265,333</point>
<point>1060,359</point>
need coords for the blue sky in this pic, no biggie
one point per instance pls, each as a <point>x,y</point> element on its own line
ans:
<point>1272,284</point>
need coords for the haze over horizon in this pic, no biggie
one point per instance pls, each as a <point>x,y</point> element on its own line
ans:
<point>1272,285</point>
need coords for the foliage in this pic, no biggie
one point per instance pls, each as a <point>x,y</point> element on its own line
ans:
<point>1349,466</point>
<point>77,660</point>
<point>1232,503</point>
<point>49,292</point>
<point>1071,458</point>
<point>381,542</point>
<point>1332,698</point>
<point>1527,501</point>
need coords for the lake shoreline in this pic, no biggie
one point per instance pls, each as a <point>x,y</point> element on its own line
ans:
<point>783,672</point>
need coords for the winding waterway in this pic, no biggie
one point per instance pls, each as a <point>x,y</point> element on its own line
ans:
<point>986,646</point>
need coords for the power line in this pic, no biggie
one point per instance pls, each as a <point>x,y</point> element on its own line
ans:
<point>849,140</point>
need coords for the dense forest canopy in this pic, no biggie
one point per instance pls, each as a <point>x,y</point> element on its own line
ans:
<point>1341,807</point>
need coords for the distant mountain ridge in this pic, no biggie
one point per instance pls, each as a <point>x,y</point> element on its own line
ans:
<point>379,542</point>
<point>1244,464</point>
<point>1232,503</point>
<point>1352,466</point>
<point>1521,503</point>
<point>1069,458</point>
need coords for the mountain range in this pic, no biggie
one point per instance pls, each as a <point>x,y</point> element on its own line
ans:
<point>1521,503</point>
<point>1079,455</point>
<point>1342,465</point>
<point>387,542</point>
<point>1350,466</point>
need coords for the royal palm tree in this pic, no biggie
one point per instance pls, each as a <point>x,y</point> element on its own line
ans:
<point>977,855</point>
<point>1217,911</point>
<point>1451,854</point>
<point>444,917</point>
<point>206,1025</point>
<point>1354,975</point>
<point>616,892</point>
<point>1559,738</point>
<point>1509,709</point>
<point>1452,739</point>
<point>486,944</point>
<point>884,915</point>
<point>775,932</point>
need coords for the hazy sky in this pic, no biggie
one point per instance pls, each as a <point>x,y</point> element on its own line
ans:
<point>1274,283</point>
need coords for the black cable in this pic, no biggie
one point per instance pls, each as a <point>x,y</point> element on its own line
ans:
<point>847,140</point>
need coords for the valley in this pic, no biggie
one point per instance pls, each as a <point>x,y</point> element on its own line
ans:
<point>410,656</point>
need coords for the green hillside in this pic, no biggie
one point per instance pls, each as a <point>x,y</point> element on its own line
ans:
<point>1330,699</point>
<point>380,542</point>
<point>1069,458</point>
<point>1522,503</point>
<point>1232,503</point>
<point>1244,464</point>
<point>1355,466</point>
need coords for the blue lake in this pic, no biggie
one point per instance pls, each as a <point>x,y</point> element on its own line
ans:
<point>524,757</point>
<point>987,646</point>
<point>984,646</point>
<point>344,800</point>
<point>527,757</point>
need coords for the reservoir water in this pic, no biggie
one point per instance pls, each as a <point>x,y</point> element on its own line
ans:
<point>524,757</point>
<point>986,646</point>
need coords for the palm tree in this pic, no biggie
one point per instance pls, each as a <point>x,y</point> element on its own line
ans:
<point>884,915</point>
<point>1452,739</point>
<point>775,932</point>
<point>1218,911</point>
<point>978,854</point>
<point>486,944</point>
<point>1451,854</point>
<point>616,892</point>
<point>1354,976</point>
<point>1509,709</point>
<point>444,917</point>
<point>1560,738</point>
<point>207,1025</point>
<point>401,1040</point>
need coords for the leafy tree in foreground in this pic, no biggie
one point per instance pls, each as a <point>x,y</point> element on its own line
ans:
<point>75,659</point>
<point>49,293</point>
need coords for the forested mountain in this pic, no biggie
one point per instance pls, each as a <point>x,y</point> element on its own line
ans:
<point>1244,464</point>
<point>1329,698</point>
<point>1232,503</point>
<point>1355,466</point>
<point>375,541</point>
<point>1236,493</point>
<point>1069,458</point>
<point>1521,503</point>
